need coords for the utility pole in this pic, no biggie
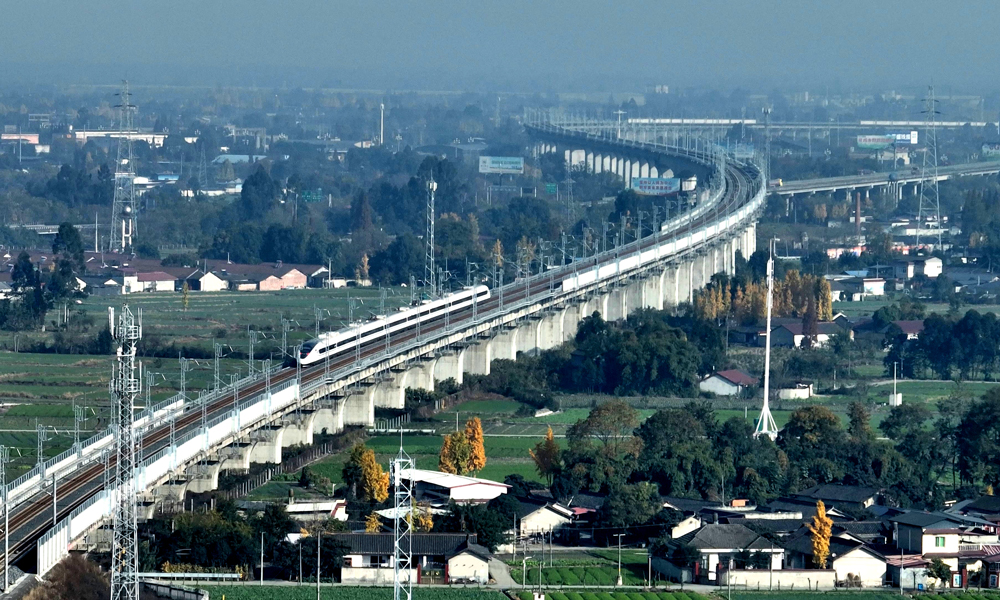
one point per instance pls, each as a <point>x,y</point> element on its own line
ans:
<point>123,221</point>
<point>619,536</point>
<point>252,339</point>
<point>185,367</point>
<point>4,456</point>
<point>125,386</point>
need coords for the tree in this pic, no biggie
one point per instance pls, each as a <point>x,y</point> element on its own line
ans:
<point>420,519</point>
<point>364,475</point>
<point>820,530</point>
<point>68,245</point>
<point>185,295</point>
<point>461,452</point>
<point>546,456</point>
<point>477,451</point>
<point>373,524</point>
<point>939,570</point>
<point>446,461</point>
<point>375,482</point>
<point>860,428</point>
<point>23,276</point>
<point>258,195</point>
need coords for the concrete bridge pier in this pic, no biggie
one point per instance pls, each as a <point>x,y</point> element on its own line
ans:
<point>204,476</point>
<point>478,356</point>
<point>505,344</point>
<point>329,417</point>
<point>267,444</point>
<point>298,429</point>
<point>652,292</point>
<point>527,336</point>
<point>644,170</point>
<point>606,164</point>
<point>614,304</point>
<point>235,457</point>
<point>634,296</point>
<point>359,406</point>
<point>450,365</point>
<point>391,392</point>
<point>598,163</point>
<point>550,330</point>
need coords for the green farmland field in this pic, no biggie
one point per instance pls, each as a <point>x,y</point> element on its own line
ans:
<point>252,591</point>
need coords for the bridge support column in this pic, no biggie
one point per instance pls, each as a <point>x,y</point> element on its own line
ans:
<point>590,162</point>
<point>550,330</point>
<point>421,375</point>
<point>330,420</point>
<point>203,476</point>
<point>634,300</point>
<point>477,357</point>
<point>606,164</point>
<point>298,429</point>
<point>359,406</point>
<point>598,163</point>
<point>505,344</point>
<point>450,365</point>
<point>527,337</point>
<point>652,292</point>
<point>568,154</point>
<point>391,393</point>
<point>235,457</point>
<point>614,304</point>
<point>644,170</point>
<point>267,444</point>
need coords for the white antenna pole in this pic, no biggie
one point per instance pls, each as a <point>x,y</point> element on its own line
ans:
<point>765,425</point>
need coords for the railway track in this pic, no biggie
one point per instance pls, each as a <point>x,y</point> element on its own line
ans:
<point>32,518</point>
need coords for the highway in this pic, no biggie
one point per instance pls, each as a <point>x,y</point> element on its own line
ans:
<point>33,517</point>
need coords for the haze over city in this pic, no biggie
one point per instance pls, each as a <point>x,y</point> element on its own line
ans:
<point>512,46</point>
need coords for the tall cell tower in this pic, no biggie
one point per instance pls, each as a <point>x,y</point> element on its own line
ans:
<point>430,278</point>
<point>123,228</point>
<point>765,424</point>
<point>125,387</point>
<point>402,525</point>
<point>930,200</point>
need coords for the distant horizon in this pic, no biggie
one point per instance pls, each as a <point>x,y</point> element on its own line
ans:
<point>520,47</point>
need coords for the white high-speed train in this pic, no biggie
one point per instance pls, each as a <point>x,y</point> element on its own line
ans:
<point>336,344</point>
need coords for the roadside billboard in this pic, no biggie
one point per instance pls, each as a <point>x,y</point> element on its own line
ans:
<point>991,149</point>
<point>875,142</point>
<point>906,137</point>
<point>656,186</point>
<point>506,165</point>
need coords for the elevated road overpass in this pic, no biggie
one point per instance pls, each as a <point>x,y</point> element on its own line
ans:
<point>187,442</point>
<point>893,180</point>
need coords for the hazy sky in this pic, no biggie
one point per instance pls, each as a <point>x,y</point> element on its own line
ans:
<point>510,44</point>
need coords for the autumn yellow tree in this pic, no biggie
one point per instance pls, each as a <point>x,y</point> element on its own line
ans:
<point>420,518</point>
<point>373,524</point>
<point>477,450</point>
<point>374,481</point>
<point>825,299</point>
<point>361,272</point>
<point>446,462</point>
<point>460,452</point>
<point>821,530</point>
<point>546,456</point>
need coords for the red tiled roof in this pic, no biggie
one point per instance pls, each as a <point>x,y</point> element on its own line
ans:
<point>155,276</point>
<point>910,327</point>
<point>737,377</point>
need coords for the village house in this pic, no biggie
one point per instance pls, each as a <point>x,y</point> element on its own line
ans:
<point>727,383</point>
<point>455,556</point>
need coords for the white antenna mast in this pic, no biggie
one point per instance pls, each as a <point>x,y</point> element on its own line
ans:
<point>765,424</point>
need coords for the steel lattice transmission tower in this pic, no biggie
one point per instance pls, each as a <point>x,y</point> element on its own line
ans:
<point>125,387</point>
<point>930,200</point>
<point>430,278</point>
<point>123,212</point>
<point>765,424</point>
<point>402,525</point>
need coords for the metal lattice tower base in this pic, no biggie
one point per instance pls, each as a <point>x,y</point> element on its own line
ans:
<point>402,525</point>
<point>125,387</point>
<point>930,199</point>
<point>430,277</point>
<point>123,228</point>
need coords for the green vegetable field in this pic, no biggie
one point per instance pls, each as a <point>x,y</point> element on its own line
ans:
<point>308,592</point>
